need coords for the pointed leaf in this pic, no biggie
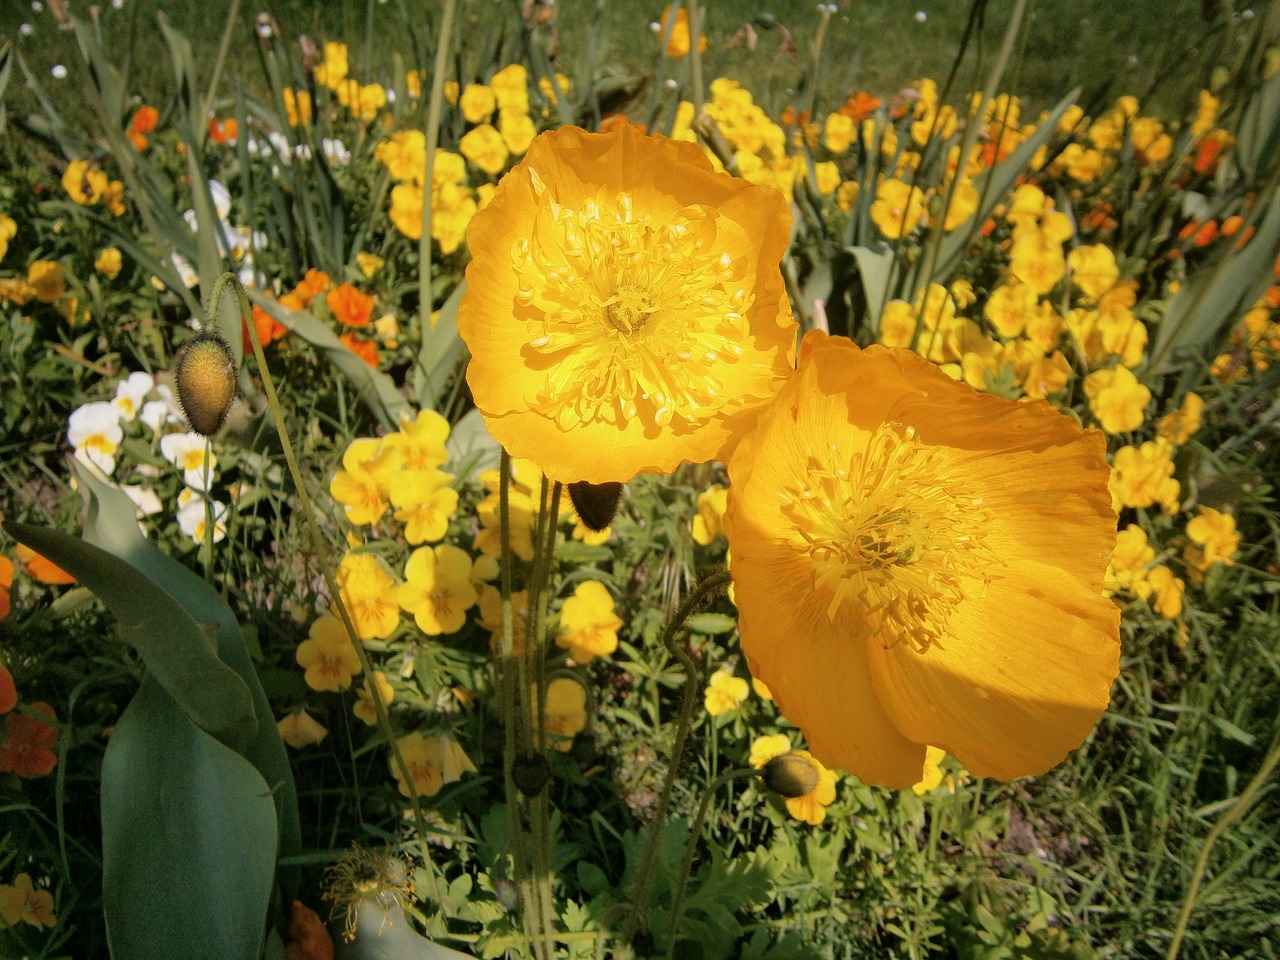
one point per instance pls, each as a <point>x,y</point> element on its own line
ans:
<point>188,838</point>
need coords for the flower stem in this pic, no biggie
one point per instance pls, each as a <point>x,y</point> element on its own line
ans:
<point>709,588</point>
<point>321,549</point>
<point>434,109</point>
<point>691,846</point>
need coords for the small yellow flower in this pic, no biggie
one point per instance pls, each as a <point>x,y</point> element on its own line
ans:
<point>477,103</point>
<point>1143,476</point>
<point>48,279</point>
<point>1179,426</point>
<point>565,712</point>
<point>23,903</point>
<point>432,762</point>
<point>588,624</point>
<point>1215,532</point>
<point>437,589</point>
<point>1116,399</point>
<point>299,729</point>
<point>364,708</point>
<point>84,182</point>
<point>807,786</point>
<point>327,656</point>
<point>724,692</point>
<point>369,592</point>
<point>363,485</point>
<point>711,506</point>
<point>1093,269</point>
<point>424,503</point>
<point>109,262</point>
<point>369,264</point>
<point>485,147</point>
<point>897,208</point>
<point>931,778</point>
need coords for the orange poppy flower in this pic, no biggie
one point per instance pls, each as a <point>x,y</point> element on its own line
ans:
<point>349,305</point>
<point>366,350</point>
<point>916,563</point>
<point>268,328</point>
<point>624,307</point>
<point>41,569</point>
<point>29,742</point>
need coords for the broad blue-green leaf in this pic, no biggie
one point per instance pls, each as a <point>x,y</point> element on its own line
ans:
<point>110,524</point>
<point>177,650</point>
<point>188,839</point>
<point>876,271</point>
<point>994,186</point>
<point>375,388</point>
<point>1212,300</point>
<point>441,350</point>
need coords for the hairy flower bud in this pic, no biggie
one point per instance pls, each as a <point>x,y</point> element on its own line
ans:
<point>206,381</point>
<point>790,775</point>
<point>596,503</point>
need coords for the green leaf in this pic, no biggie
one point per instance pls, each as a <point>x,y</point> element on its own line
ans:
<point>711,623</point>
<point>375,388</point>
<point>178,651</point>
<point>188,838</point>
<point>1206,307</point>
<point>876,270</point>
<point>441,351</point>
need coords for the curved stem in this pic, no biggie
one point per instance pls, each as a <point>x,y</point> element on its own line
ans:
<point>691,845</point>
<point>321,550</point>
<point>705,591</point>
<point>1236,812</point>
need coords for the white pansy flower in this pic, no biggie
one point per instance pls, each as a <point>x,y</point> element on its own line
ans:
<point>94,431</point>
<point>131,392</point>
<point>186,451</point>
<point>186,272</point>
<point>192,517</point>
<point>145,500</point>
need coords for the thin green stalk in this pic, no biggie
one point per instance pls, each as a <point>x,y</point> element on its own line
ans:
<point>695,56</point>
<point>1228,819</point>
<point>691,846</point>
<point>321,550</point>
<point>434,109</point>
<point>705,591</point>
<point>223,46</point>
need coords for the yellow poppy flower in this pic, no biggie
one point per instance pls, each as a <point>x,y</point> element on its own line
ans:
<point>920,564</point>
<point>624,307</point>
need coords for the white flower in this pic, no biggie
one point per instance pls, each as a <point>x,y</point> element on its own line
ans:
<point>186,272</point>
<point>94,431</point>
<point>186,451</point>
<point>192,517</point>
<point>221,199</point>
<point>335,151</point>
<point>158,414</point>
<point>144,499</point>
<point>58,71</point>
<point>131,392</point>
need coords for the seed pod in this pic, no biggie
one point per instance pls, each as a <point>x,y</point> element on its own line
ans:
<point>596,503</point>
<point>790,775</point>
<point>206,381</point>
<point>530,771</point>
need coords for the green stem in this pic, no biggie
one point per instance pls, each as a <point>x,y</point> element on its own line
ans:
<point>223,47</point>
<point>434,109</point>
<point>695,56</point>
<point>1235,813</point>
<point>321,550</point>
<point>705,591</point>
<point>691,846</point>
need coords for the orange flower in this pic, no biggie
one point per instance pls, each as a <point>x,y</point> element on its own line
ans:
<point>366,350</point>
<point>860,106</point>
<point>308,938</point>
<point>222,131</point>
<point>316,281</point>
<point>6,581</point>
<point>42,569</point>
<point>349,305</point>
<point>29,742</point>
<point>144,121</point>
<point>624,306</point>
<point>677,33</point>
<point>268,328</point>
<point>917,564</point>
<point>8,690</point>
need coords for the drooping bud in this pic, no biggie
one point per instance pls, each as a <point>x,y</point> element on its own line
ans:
<point>530,773</point>
<point>206,382</point>
<point>790,776</point>
<point>596,503</point>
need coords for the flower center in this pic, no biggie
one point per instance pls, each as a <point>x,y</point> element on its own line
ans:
<point>895,545</point>
<point>631,316</point>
